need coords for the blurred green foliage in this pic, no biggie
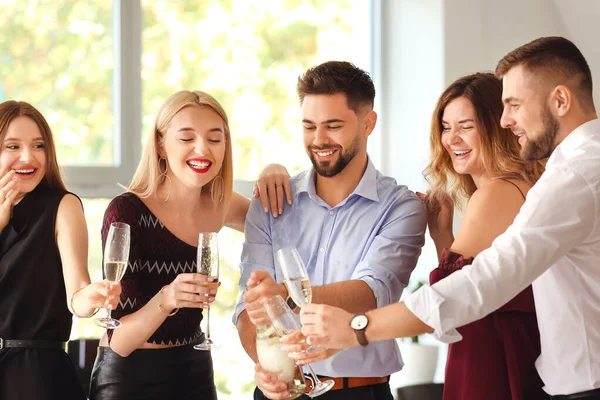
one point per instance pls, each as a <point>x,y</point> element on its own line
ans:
<point>58,55</point>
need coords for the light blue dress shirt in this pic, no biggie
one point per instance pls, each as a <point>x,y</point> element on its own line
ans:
<point>374,235</point>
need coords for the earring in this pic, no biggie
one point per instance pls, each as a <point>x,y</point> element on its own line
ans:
<point>221,187</point>
<point>162,177</point>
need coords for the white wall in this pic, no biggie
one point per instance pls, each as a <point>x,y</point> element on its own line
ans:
<point>427,44</point>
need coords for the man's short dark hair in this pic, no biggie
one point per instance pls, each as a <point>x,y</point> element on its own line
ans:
<point>554,59</point>
<point>335,77</point>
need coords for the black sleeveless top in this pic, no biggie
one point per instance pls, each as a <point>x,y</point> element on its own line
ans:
<point>33,301</point>
<point>156,257</point>
<point>33,304</point>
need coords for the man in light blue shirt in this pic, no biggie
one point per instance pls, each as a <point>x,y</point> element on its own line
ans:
<point>358,232</point>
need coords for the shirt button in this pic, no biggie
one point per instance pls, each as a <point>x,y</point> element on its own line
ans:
<point>331,212</point>
<point>322,249</point>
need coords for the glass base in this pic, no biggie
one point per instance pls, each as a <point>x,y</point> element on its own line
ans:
<point>320,388</point>
<point>108,323</point>
<point>207,345</point>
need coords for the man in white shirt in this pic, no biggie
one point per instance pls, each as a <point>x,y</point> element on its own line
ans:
<point>554,242</point>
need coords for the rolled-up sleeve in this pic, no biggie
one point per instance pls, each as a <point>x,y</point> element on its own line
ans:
<point>257,251</point>
<point>554,219</point>
<point>393,254</point>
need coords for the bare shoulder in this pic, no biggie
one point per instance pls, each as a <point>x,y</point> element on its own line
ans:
<point>498,196</point>
<point>70,205</point>
<point>490,211</point>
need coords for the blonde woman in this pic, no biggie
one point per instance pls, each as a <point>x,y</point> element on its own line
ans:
<point>182,186</point>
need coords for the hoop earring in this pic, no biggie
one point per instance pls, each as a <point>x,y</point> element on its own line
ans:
<point>162,177</point>
<point>216,198</point>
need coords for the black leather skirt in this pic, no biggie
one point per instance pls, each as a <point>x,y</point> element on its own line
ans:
<point>153,374</point>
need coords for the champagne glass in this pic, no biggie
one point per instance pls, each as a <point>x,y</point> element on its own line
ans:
<point>116,256</point>
<point>285,322</point>
<point>207,263</point>
<point>296,280</point>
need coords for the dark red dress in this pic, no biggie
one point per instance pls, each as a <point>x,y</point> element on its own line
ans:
<point>495,360</point>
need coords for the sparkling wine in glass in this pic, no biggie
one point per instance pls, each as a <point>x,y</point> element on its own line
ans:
<point>116,256</point>
<point>296,280</point>
<point>285,322</point>
<point>207,263</point>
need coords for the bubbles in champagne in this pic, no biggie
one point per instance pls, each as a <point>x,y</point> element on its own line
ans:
<point>299,290</point>
<point>114,270</point>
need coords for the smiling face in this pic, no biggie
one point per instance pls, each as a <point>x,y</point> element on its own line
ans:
<point>528,115</point>
<point>460,136</point>
<point>194,145</point>
<point>332,133</point>
<point>23,150</point>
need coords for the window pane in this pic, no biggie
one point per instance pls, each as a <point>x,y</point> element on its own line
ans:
<point>248,54</point>
<point>59,57</point>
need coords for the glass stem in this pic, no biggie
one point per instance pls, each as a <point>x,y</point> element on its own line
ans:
<point>108,311</point>
<point>311,371</point>
<point>208,324</point>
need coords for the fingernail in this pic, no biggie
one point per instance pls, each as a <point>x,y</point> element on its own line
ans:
<point>266,209</point>
<point>213,291</point>
<point>211,299</point>
<point>274,214</point>
<point>281,211</point>
<point>206,306</point>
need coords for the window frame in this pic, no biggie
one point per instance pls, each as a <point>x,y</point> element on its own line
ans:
<point>103,181</point>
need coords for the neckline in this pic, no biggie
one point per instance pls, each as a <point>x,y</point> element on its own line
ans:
<point>161,223</point>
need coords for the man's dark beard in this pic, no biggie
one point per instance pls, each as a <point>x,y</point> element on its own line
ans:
<point>326,168</point>
<point>542,147</point>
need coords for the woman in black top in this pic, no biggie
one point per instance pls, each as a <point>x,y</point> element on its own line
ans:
<point>43,251</point>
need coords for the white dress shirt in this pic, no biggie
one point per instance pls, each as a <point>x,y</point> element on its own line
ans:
<point>553,242</point>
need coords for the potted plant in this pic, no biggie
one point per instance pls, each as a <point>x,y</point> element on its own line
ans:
<point>420,360</point>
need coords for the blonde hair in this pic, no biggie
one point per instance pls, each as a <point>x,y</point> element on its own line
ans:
<point>499,146</point>
<point>9,111</point>
<point>146,179</point>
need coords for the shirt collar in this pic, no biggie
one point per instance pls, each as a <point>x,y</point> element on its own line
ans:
<point>574,140</point>
<point>367,187</point>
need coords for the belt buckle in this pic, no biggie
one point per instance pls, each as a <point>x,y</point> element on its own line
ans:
<point>1,343</point>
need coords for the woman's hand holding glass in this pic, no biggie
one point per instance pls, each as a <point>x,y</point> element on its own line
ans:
<point>102,294</point>
<point>116,258</point>
<point>208,265</point>
<point>189,291</point>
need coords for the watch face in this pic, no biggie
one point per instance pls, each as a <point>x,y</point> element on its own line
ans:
<point>359,322</point>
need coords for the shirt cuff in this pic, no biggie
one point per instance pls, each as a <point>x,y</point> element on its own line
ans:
<point>425,303</point>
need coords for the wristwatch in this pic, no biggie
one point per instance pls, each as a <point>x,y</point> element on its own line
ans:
<point>359,323</point>
<point>291,303</point>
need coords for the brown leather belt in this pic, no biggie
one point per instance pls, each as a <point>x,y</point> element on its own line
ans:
<point>347,383</point>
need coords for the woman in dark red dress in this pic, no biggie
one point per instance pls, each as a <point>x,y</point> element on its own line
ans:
<point>475,160</point>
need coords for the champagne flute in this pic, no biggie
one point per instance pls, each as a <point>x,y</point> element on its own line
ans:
<point>285,322</point>
<point>207,263</point>
<point>116,256</point>
<point>296,280</point>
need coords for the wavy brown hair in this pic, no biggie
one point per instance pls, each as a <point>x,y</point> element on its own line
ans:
<point>9,111</point>
<point>499,146</point>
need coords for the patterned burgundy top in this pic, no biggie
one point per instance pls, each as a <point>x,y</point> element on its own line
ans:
<point>156,258</point>
<point>496,358</point>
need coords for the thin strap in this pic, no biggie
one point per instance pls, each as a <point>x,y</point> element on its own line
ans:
<point>515,185</point>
